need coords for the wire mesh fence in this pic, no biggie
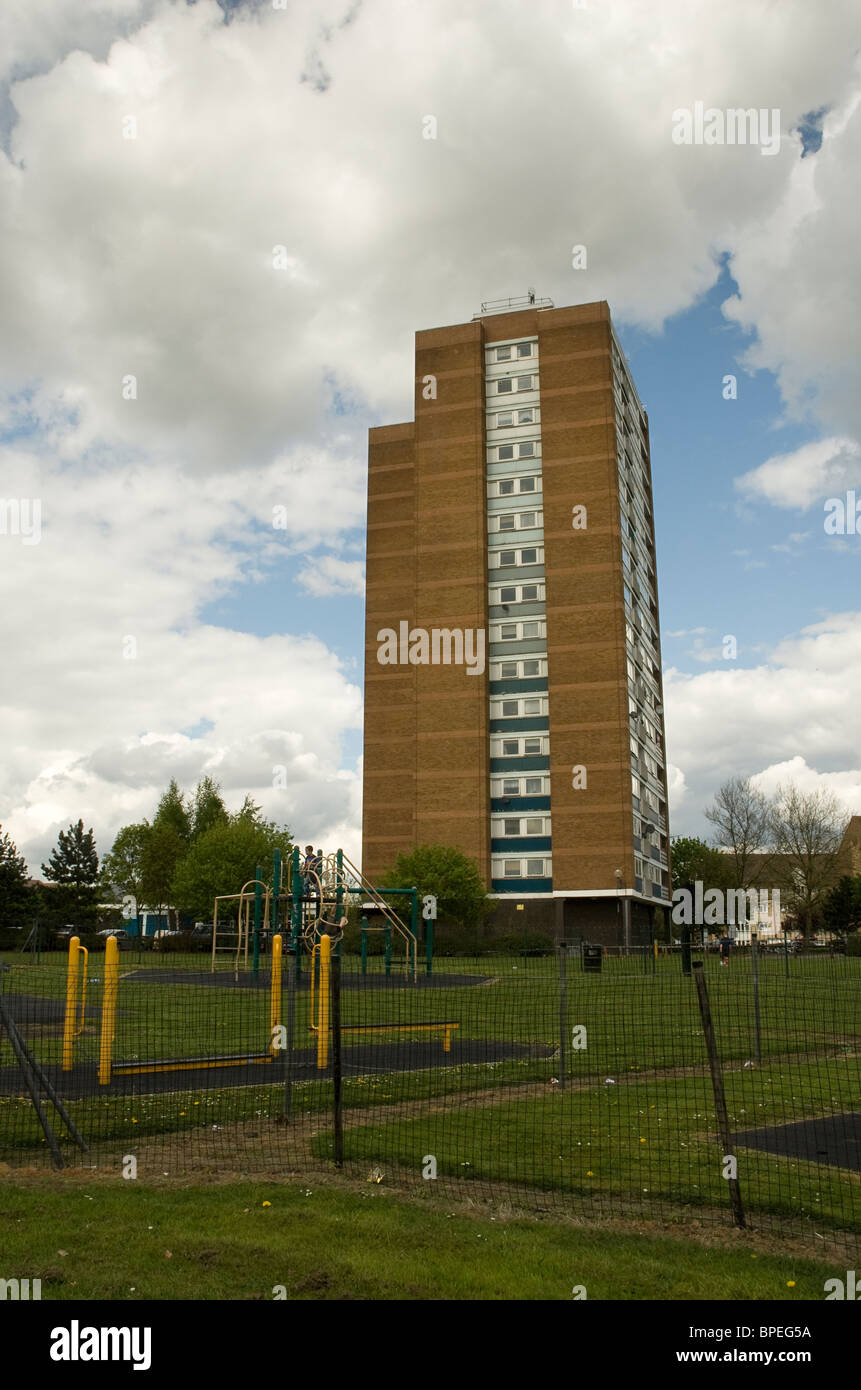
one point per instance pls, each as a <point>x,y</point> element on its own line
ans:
<point>577,1082</point>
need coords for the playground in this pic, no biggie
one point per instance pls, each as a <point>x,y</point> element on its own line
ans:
<point>534,1074</point>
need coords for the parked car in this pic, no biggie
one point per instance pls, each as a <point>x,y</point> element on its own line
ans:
<point>124,941</point>
<point>161,939</point>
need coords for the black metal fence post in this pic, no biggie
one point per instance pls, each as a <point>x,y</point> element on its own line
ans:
<point>337,1110</point>
<point>563,1013</point>
<point>717,1088</point>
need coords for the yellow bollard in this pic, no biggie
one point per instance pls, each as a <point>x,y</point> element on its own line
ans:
<point>109,1010</point>
<point>71,1020</point>
<point>275,994</point>
<point>323,992</point>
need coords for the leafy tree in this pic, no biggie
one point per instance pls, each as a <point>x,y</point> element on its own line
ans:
<point>693,860</point>
<point>208,808</point>
<point>74,868</point>
<point>841,906</point>
<point>173,813</point>
<point>742,819</point>
<point>122,868</point>
<point>440,869</point>
<point>163,850</point>
<point>16,899</point>
<point>224,858</point>
<point>807,829</point>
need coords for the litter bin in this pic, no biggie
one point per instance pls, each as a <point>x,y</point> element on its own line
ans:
<point>592,958</point>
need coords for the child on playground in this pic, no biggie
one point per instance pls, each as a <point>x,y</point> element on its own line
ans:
<point>725,946</point>
<point>312,865</point>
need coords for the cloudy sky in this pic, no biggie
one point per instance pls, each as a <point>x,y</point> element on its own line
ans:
<point>221,226</point>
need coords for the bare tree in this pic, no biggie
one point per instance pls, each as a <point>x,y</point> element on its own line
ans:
<point>741,816</point>
<point>807,829</point>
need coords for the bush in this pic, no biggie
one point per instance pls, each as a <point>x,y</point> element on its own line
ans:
<point>853,944</point>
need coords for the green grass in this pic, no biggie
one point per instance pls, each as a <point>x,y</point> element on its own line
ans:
<point>241,1240</point>
<point>647,1142</point>
<point>654,1129</point>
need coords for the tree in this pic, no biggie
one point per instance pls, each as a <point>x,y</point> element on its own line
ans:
<point>807,829</point>
<point>841,906</point>
<point>208,808</point>
<point>694,860</point>
<point>452,876</point>
<point>173,813</point>
<point>225,858</point>
<point>741,816</point>
<point>163,850</point>
<point>15,896</point>
<point>74,868</point>
<point>122,868</point>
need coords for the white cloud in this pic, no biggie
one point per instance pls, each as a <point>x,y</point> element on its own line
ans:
<point>794,714</point>
<point>327,575</point>
<point>799,479</point>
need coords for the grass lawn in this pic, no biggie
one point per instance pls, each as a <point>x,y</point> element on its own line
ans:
<point>648,1138</point>
<point>95,1238</point>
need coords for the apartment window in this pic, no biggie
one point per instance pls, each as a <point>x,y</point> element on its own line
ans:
<point>506,451</point>
<point>511,868</point>
<point>509,708</point>
<point>504,383</point>
<point>524,383</point>
<point>527,520</point>
<point>527,484</point>
<point>635,785</point>
<point>510,747</point>
<point>508,669</point>
<point>504,419</point>
<point>528,592</point>
<point>533,786</point>
<point>532,668</point>
<point>534,825</point>
<point>526,417</point>
<point>535,868</point>
<point>524,349</point>
<point>529,557</point>
<point>525,451</point>
<point>506,523</point>
<point>511,827</point>
<point>503,354</point>
<point>531,629</point>
<point>531,746</point>
<point>532,706</point>
<point>506,487</point>
<point>508,595</point>
<point>508,632</point>
<point>511,786</point>
<point>508,557</point>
